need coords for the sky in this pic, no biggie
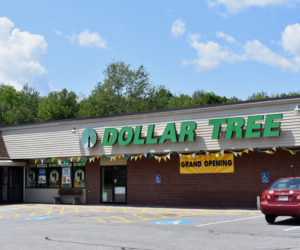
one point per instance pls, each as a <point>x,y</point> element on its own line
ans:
<point>229,47</point>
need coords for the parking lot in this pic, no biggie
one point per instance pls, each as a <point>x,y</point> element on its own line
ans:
<point>41,226</point>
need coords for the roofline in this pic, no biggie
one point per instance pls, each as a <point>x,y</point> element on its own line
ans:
<point>209,107</point>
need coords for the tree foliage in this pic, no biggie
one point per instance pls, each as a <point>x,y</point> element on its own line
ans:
<point>18,106</point>
<point>58,105</point>
<point>123,90</point>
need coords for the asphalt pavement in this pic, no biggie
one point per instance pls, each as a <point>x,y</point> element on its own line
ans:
<point>42,226</point>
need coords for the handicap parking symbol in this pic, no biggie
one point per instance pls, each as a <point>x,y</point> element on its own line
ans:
<point>172,222</point>
<point>265,177</point>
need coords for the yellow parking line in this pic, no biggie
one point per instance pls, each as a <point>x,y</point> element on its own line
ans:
<point>208,212</point>
<point>76,209</point>
<point>33,214</point>
<point>98,219</point>
<point>228,212</point>
<point>159,215</point>
<point>16,215</point>
<point>121,218</point>
<point>141,217</point>
<point>49,212</point>
<point>107,209</point>
<point>62,210</point>
<point>254,213</point>
<point>124,209</point>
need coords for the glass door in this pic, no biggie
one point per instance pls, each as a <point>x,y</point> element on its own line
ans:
<point>3,184</point>
<point>15,184</point>
<point>114,184</point>
<point>11,184</point>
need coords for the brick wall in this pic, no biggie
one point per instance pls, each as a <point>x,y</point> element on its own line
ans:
<point>92,172</point>
<point>238,189</point>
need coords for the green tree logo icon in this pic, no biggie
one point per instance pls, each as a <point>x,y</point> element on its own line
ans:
<point>89,138</point>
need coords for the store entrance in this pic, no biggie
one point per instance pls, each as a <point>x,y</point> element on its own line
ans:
<point>113,184</point>
<point>11,184</point>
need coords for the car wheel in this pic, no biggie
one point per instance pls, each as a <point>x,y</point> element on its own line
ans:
<point>270,218</point>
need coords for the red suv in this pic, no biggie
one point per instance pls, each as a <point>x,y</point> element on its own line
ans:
<point>282,198</point>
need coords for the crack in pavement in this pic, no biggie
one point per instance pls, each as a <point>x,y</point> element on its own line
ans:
<point>95,244</point>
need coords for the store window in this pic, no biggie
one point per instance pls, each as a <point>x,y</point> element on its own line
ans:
<point>66,180</point>
<point>42,175</point>
<point>52,175</point>
<point>31,176</point>
<point>79,175</point>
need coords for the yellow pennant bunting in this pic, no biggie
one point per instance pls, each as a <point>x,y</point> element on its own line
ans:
<point>53,159</point>
<point>165,158</point>
<point>292,152</point>
<point>36,161</point>
<point>246,151</point>
<point>240,153</point>
<point>140,156</point>
<point>159,159</point>
<point>136,157</point>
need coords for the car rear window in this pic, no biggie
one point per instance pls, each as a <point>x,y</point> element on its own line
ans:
<point>286,184</point>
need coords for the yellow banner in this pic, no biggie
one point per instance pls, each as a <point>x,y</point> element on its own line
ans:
<point>206,164</point>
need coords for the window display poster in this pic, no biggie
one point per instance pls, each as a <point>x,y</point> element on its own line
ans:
<point>79,178</point>
<point>42,176</point>
<point>66,175</point>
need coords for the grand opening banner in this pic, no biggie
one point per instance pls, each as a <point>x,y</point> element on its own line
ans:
<point>207,164</point>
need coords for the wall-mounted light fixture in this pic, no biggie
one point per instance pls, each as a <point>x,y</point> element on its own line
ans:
<point>297,108</point>
<point>73,130</point>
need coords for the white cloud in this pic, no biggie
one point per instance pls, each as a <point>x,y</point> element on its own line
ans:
<point>291,39</point>
<point>20,55</point>
<point>255,50</point>
<point>210,54</point>
<point>228,38</point>
<point>89,39</point>
<point>57,32</point>
<point>235,6</point>
<point>178,28</point>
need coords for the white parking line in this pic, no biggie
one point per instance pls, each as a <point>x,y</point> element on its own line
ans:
<point>226,221</point>
<point>291,228</point>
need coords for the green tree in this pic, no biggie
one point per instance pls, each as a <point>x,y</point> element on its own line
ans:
<point>124,90</point>
<point>58,105</point>
<point>258,96</point>
<point>18,106</point>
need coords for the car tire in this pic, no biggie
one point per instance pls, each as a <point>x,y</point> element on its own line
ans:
<point>270,218</point>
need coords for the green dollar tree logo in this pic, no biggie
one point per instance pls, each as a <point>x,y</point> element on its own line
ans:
<point>89,138</point>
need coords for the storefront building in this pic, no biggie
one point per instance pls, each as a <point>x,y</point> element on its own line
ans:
<point>211,156</point>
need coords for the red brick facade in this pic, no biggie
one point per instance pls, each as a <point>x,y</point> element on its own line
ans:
<point>238,189</point>
<point>92,173</point>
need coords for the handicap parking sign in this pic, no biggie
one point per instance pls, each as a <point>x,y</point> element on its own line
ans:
<point>265,177</point>
<point>158,179</point>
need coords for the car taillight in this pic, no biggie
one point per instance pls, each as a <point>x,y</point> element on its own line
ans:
<point>263,196</point>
